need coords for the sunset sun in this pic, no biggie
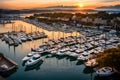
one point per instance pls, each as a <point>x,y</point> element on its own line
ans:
<point>81,5</point>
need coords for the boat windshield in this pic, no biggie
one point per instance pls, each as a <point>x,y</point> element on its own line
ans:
<point>34,58</point>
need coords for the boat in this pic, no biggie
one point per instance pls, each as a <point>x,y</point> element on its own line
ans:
<point>73,54</point>
<point>38,50</point>
<point>79,51</point>
<point>6,64</point>
<point>34,60</point>
<point>105,71</point>
<point>16,43</point>
<point>23,38</point>
<point>83,56</point>
<point>11,42</point>
<point>60,53</point>
<point>91,63</point>
<point>53,52</point>
<point>28,56</point>
<point>68,53</point>
<point>29,38</point>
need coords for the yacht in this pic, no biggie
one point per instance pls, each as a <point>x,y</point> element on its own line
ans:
<point>34,60</point>
<point>105,71</point>
<point>28,56</point>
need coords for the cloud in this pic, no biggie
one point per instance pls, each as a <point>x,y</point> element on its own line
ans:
<point>109,0</point>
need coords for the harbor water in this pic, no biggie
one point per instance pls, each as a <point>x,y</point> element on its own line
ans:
<point>52,68</point>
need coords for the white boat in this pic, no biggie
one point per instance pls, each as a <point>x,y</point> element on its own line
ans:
<point>23,38</point>
<point>61,52</point>
<point>79,51</point>
<point>68,53</point>
<point>34,60</point>
<point>105,71</point>
<point>83,56</point>
<point>53,52</point>
<point>29,55</point>
<point>38,50</point>
<point>91,63</point>
<point>73,54</point>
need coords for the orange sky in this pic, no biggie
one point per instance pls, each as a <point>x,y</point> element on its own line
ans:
<point>21,4</point>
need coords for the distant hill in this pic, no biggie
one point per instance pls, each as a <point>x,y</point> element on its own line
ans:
<point>109,7</point>
<point>61,6</point>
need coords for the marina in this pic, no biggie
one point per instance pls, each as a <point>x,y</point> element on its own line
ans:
<point>59,39</point>
<point>16,38</point>
<point>62,53</point>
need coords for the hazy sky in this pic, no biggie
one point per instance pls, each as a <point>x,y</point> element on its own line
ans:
<point>19,4</point>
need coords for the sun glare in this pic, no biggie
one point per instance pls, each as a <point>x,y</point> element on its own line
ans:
<point>80,5</point>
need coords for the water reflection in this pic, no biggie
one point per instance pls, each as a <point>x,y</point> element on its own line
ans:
<point>79,62</point>
<point>34,67</point>
<point>88,70</point>
<point>9,73</point>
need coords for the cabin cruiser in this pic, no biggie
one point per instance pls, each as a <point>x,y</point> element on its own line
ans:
<point>105,71</point>
<point>34,60</point>
<point>29,55</point>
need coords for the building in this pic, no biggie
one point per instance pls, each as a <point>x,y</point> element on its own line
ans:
<point>87,19</point>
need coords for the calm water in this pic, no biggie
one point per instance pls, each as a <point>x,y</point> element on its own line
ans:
<point>52,68</point>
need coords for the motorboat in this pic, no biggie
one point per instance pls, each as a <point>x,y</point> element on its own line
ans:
<point>67,53</point>
<point>61,52</point>
<point>105,71</point>
<point>34,60</point>
<point>53,52</point>
<point>79,51</point>
<point>38,50</point>
<point>73,54</point>
<point>28,56</point>
<point>83,56</point>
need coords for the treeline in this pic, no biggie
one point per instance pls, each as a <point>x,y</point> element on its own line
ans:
<point>58,17</point>
<point>110,57</point>
<point>101,14</point>
<point>55,15</point>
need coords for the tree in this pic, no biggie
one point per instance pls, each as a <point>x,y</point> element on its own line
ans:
<point>110,57</point>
